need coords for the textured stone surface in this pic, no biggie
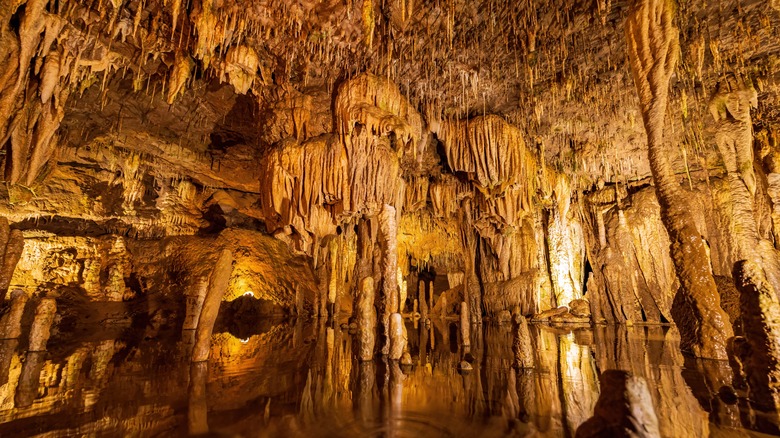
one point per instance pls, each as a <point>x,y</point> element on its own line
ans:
<point>366,320</point>
<point>760,310</point>
<point>624,409</point>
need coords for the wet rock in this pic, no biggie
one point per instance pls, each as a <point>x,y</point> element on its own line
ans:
<point>568,318</point>
<point>464,367</point>
<point>504,317</point>
<point>760,313</point>
<point>547,314</point>
<point>524,353</point>
<point>729,299</point>
<point>41,326</point>
<point>366,319</point>
<point>624,409</point>
<point>737,350</point>
<point>580,308</point>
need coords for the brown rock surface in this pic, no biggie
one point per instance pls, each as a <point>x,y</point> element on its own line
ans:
<point>760,310</point>
<point>624,409</point>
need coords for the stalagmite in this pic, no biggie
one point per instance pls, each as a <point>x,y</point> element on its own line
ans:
<point>760,310</point>
<point>366,319</point>
<point>624,409</point>
<point>389,228</point>
<point>41,326</point>
<point>218,283</point>
<point>397,336</point>
<point>465,326</point>
<point>402,286</point>
<point>653,50</point>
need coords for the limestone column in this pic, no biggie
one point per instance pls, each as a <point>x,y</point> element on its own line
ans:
<point>366,319</point>
<point>465,327</point>
<point>218,283</point>
<point>422,300</point>
<point>653,50</point>
<point>389,229</point>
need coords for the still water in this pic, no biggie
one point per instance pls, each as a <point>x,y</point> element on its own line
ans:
<point>300,379</point>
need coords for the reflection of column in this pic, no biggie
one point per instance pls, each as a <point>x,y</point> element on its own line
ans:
<point>423,359</point>
<point>547,396</point>
<point>628,348</point>
<point>197,414</point>
<point>218,283</point>
<point>11,322</point>
<point>364,391</point>
<point>422,300</point>
<point>29,380</point>
<point>397,378</point>
<point>578,381</point>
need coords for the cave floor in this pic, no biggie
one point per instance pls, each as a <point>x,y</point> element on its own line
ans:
<point>300,379</point>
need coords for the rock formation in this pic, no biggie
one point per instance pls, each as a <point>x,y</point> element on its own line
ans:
<point>624,409</point>
<point>390,176</point>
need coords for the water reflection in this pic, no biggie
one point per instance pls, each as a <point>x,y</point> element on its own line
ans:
<point>297,379</point>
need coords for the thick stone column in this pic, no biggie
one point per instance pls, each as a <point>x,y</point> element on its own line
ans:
<point>366,319</point>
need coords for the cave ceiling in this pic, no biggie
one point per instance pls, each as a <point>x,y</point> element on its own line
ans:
<point>207,87</point>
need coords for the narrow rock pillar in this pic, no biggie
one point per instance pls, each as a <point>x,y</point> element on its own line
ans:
<point>366,319</point>
<point>218,283</point>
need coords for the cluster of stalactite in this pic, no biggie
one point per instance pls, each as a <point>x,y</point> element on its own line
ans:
<point>378,215</point>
